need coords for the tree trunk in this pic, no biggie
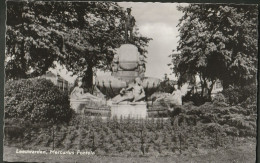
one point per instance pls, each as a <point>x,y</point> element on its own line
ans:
<point>202,86</point>
<point>225,84</point>
<point>23,68</point>
<point>209,92</point>
<point>226,81</point>
<point>210,88</point>
<point>88,77</point>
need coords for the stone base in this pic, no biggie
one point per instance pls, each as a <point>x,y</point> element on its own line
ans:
<point>127,76</point>
<point>80,105</point>
<point>129,109</point>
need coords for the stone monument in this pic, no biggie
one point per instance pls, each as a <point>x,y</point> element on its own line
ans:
<point>127,86</point>
<point>80,100</point>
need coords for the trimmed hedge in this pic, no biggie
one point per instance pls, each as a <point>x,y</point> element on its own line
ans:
<point>36,100</point>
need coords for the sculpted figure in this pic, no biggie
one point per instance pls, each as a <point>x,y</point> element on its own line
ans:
<point>141,59</point>
<point>138,90</point>
<point>125,95</point>
<point>114,67</point>
<point>133,93</point>
<point>173,99</point>
<point>78,93</point>
<point>116,58</point>
<point>177,96</point>
<point>115,63</point>
<point>141,65</point>
<point>129,23</point>
<point>141,69</point>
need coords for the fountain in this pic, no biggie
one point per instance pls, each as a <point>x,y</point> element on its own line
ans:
<point>128,65</point>
<point>127,89</point>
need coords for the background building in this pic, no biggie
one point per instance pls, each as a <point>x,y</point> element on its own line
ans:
<point>56,79</point>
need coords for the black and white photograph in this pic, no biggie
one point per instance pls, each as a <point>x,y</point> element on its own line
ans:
<point>131,82</point>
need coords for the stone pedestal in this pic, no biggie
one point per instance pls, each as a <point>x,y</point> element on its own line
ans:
<point>128,63</point>
<point>129,109</point>
<point>128,57</point>
<point>78,105</point>
<point>127,76</point>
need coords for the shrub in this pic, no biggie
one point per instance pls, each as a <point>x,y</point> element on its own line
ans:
<point>166,86</point>
<point>219,98</point>
<point>239,95</point>
<point>36,100</point>
<point>194,126</point>
<point>196,98</point>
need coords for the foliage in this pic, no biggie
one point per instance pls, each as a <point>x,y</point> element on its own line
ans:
<point>166,86</point>
<point>36,100</point>
<point>31,46</point>
<point>189,128</point>
<point>219,98</point>
<point>241,95</point>
<point>80,36</point>
<point>217,42</point>
<point>195,98</point>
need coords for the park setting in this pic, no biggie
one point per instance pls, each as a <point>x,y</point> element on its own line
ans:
<point>130,82</point>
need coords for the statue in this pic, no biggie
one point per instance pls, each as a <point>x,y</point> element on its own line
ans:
<point>78,94</point>
<point>141,65</point>
<point>173,99</point>
<point>133,93</point>
<point>177,96</point>
<point>129,23</point>
<point>115,63</point>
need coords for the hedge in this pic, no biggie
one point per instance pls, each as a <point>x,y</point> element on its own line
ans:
<point>36,100</point>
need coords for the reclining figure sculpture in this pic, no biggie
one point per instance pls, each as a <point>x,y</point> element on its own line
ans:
<point>78,94</point>
<point>133,93</point>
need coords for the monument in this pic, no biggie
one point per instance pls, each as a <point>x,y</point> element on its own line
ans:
<point>128,88</point>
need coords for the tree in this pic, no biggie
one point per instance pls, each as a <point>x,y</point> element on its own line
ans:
<point>31,47</point>
<point>79,35</point>
<point>217,42</point>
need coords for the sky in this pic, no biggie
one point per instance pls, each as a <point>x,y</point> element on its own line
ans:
<point>157,21</point>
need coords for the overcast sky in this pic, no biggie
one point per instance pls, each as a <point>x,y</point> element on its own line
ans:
<point>157,21</point>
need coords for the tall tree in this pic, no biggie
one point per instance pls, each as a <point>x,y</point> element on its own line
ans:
<point>31,47</point>
<point>79,35</point>
<point>217,42</point>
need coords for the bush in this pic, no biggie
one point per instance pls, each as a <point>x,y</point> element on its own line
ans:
<point>166,86</point>
<point>189,126</point>
<point>219,98</point>
<point>36,100</point>
<point>239,95</point>
<point>196,98</point>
